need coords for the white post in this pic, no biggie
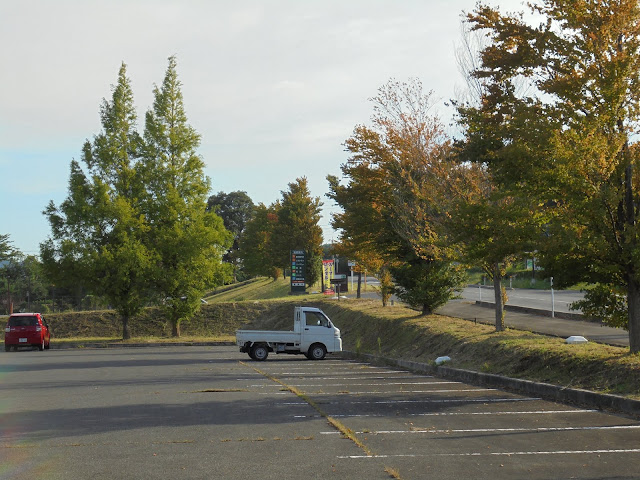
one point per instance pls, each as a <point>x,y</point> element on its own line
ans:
<point>553,305</point>
<point>352,279</point>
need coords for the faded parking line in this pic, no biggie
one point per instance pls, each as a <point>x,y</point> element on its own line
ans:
<point>397,391</point>
<point>447,414</point>
<point>495,430</point>
<point>447,400</point>
<point>488,454</point>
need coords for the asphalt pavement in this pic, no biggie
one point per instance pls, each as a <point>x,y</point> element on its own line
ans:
<point>211,413</point>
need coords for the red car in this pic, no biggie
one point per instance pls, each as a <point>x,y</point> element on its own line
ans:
<point>26,329</point>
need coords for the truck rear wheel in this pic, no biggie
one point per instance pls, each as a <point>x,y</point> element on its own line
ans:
<point>317,351</point>
<point>259,353</point>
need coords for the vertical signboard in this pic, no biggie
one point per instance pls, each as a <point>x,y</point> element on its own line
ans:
<point>298,271</point>
<point>327,271</point>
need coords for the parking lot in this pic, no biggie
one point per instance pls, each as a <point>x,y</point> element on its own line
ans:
<point>211,412</point>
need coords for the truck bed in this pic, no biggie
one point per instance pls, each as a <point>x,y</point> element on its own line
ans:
<point>276,336</point>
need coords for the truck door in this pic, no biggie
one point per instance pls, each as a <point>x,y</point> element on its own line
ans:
<point>317,330</point>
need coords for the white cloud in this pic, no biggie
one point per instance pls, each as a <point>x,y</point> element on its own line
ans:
<point>274,87</point>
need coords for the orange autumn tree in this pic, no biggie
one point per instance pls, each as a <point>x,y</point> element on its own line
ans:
<point>569,140</point>
<point>391,204</point>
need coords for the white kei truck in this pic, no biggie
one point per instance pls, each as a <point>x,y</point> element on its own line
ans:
<point>313,334</point>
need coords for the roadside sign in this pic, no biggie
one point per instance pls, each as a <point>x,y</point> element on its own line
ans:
<point>298,271</point>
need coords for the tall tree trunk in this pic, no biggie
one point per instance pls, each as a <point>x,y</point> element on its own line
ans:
<point>126,333</point>
<point>175,329</point>
<point>497,292</point>
<point>633,303</point>
<point>426,310</point>
<point>359,283</point>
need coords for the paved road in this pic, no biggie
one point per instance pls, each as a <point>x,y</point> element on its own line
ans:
<point>467,309</point>
<point>210,413</point>
<point>522,297</point>
<point>559,327</point>
<point>528,297</point>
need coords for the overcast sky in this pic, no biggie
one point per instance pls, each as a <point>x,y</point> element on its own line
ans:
<point>273,87</point>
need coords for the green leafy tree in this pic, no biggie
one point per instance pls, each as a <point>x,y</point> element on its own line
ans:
<point>427,285</point>
<point>235,209</point>
<point>569,139</point>
<point>7,251</point>
<point>187,240</point>
<point>298,228</point>
<point>256,243</point>
<point>97,233</point>
<point>8,256</point>
<point>490,225</point>
<point>29,284</point>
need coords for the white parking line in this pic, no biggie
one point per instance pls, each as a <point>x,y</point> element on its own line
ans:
<point>362,378</point>
<point>322,385</point>
<point>488,454</point>
<point>359,377</point>
<point>386,393</point>
<point>446,414</point>
<point>451,400</point>
<point>495,430</point>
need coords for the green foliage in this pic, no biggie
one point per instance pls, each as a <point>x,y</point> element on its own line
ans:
<point>188,241</point>
<point>291,223</point>
<point>568,138</point>
<point>8,268</point>
<point>298,228</point>
<point>427,285</point>
<point>134,224</point>
<point>255,243</point>
<point>235,209</point>
<point>7,251</point>
<point>607,302</point>
<point>98,231</point>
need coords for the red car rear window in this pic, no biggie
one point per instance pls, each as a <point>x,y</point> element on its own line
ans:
<point>23,321</point>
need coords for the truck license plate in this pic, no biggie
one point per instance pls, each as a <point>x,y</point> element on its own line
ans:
<point>23,340</point>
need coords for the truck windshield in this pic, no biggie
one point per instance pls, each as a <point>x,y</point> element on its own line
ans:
<point>317,318</point>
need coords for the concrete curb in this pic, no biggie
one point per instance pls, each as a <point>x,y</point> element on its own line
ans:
<point>556,393</point>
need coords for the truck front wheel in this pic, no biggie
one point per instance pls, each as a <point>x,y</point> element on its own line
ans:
<point>259,353</point>
<point>317,351</point>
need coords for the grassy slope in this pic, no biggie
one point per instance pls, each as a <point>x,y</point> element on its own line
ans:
<point>393,331</point>
<point>402,333</point>
<point>262,289</point>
